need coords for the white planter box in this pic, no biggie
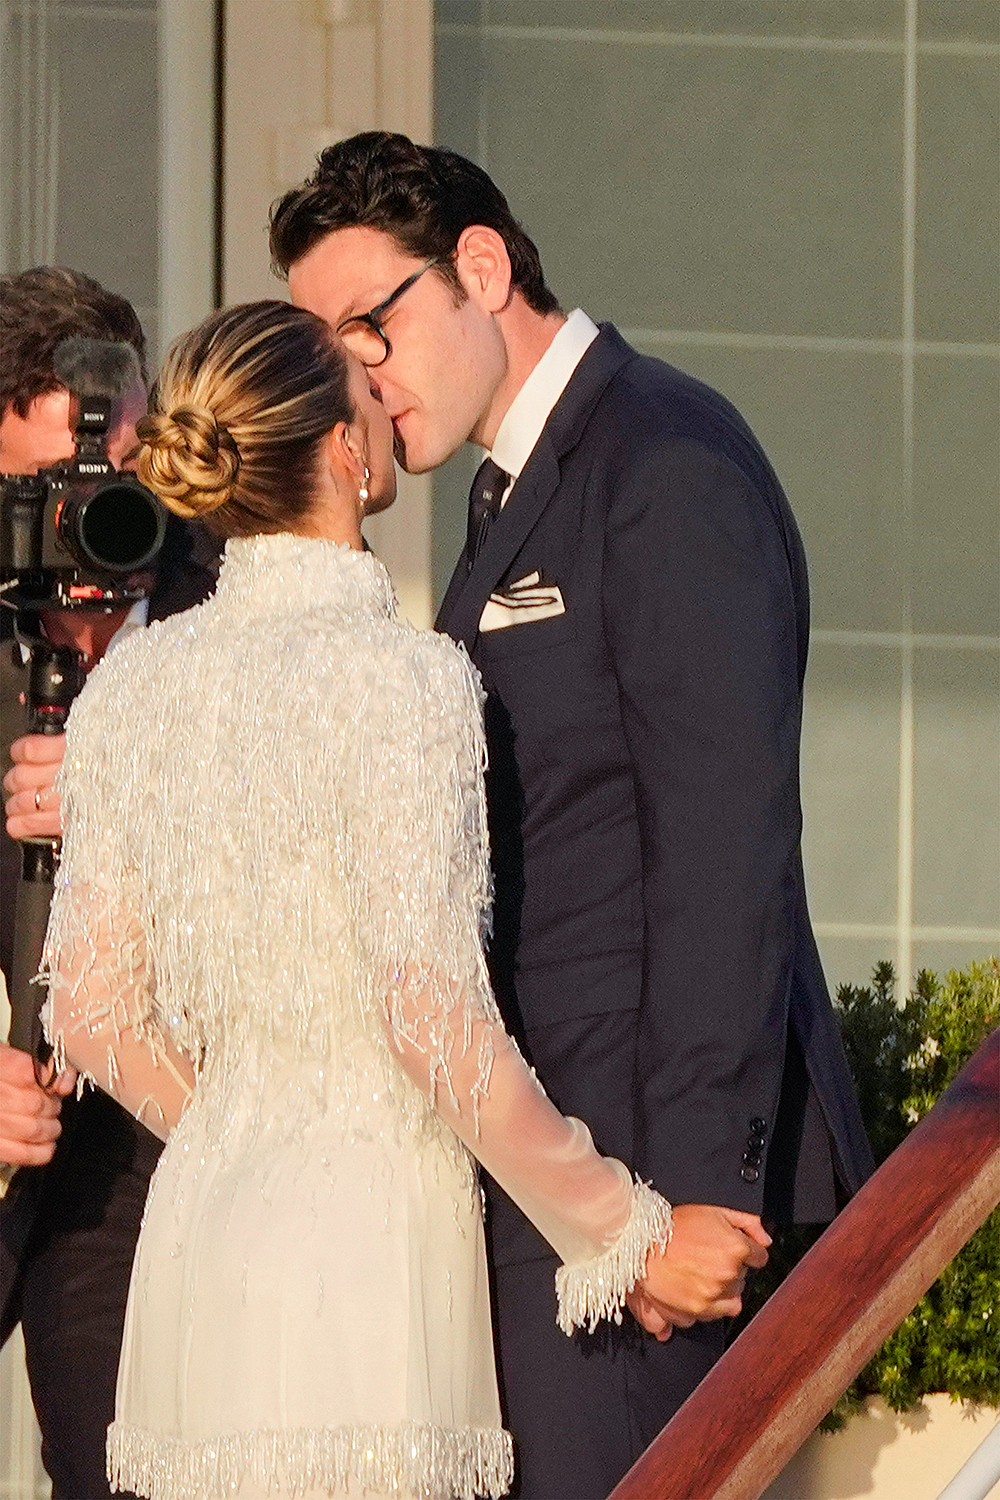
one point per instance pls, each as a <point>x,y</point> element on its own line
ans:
<point>882,1455</point>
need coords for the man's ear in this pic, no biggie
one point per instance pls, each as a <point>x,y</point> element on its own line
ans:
<point>483,265</point>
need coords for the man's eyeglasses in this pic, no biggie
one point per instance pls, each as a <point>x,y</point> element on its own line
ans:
<point>364,334</point>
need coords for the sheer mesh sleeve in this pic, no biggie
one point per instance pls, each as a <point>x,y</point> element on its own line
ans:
<point>99,1014</point>
<point>422,856</point>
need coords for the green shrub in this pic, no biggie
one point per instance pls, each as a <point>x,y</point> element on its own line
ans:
<point>903,1056</point>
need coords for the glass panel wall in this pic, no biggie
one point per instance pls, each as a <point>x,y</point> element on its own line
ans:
<point>81,143</point>
<point>107,125</point>
<point>798,203</point>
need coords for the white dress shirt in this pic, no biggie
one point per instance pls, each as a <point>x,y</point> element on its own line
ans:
<point>136,619</point>
<point>531,407</point>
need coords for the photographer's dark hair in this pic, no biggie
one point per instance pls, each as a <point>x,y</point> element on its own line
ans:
<point>423,196</point>
<point>42,307</point>
<point>239,410</point>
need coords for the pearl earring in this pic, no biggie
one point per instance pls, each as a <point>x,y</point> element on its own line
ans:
<point>363,492</point>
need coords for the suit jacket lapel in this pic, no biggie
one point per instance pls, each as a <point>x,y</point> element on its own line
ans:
<point>467,593</point>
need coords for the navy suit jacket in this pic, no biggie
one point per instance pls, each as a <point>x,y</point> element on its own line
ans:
<point>652,948</point>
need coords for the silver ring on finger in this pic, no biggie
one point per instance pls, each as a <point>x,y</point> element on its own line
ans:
<point>38,799</point>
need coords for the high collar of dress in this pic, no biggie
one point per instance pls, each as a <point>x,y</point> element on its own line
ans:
<point>283,574</point>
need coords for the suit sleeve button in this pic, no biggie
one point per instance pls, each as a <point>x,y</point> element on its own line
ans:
<point>756,1143</point>
<point>757,1125</point>
<point>750,1174</point>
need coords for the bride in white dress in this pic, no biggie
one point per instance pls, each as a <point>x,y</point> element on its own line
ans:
<point>287,981</point>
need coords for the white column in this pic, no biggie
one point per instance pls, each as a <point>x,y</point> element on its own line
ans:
<point>187,84</point>
<point>298,78</point>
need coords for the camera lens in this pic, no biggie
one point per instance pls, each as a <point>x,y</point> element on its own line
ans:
<point>118,528</point>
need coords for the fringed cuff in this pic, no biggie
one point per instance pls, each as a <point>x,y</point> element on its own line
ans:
<point>596,1288</point>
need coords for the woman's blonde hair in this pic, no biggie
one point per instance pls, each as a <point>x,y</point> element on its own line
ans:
<point>238,413</point>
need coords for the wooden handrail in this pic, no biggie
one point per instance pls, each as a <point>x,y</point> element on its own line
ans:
<point>857,1283</point>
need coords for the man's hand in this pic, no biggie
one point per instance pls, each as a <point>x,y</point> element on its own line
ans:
<point>32,802</point>
<point>29,1114</point>
<point>700,1275</point>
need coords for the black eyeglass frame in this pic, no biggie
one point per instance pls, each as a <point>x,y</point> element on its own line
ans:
<point>371,319</point>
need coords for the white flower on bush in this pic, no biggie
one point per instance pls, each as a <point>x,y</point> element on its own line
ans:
<point>924,1055</point>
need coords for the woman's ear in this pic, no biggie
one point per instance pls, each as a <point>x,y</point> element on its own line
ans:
<point>345,452</point>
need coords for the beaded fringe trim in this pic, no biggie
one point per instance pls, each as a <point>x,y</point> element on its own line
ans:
<point>596,1288</point>
<point>415,1458</point>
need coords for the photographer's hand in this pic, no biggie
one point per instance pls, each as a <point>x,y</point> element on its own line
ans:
<point>32,805</point>
<point>29,1112</point>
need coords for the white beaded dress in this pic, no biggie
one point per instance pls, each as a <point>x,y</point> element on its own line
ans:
<point>274,876</point>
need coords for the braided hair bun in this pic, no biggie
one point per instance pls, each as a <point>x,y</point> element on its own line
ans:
<point>189,458</point>
<point>242,406</point>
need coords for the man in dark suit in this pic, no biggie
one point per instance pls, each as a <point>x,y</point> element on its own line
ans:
<point>69,1230</point>
<point>633,591</point>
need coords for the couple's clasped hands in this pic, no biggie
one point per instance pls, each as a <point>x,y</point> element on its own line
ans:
<point>701,1274</point>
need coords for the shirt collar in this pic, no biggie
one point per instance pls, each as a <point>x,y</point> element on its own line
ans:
<point>137,617</point>
<point>531,407</point>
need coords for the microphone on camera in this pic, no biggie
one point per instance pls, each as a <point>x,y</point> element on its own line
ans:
<point>96,367</point>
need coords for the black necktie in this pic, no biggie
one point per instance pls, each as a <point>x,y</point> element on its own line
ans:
<point>487,491</point>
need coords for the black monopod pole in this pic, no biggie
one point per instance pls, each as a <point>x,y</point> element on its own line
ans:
<point>55,676</point>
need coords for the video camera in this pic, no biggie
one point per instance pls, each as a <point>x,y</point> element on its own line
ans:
<point>76,535</point>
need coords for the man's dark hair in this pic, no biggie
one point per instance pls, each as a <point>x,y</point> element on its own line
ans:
<point>41,307</point>
<point>423,196</point>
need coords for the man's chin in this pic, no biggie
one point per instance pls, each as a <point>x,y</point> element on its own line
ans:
<point>409,463</point>
<point>412,461</point>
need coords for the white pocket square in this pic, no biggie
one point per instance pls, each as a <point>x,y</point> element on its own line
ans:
<point>522,603</point>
